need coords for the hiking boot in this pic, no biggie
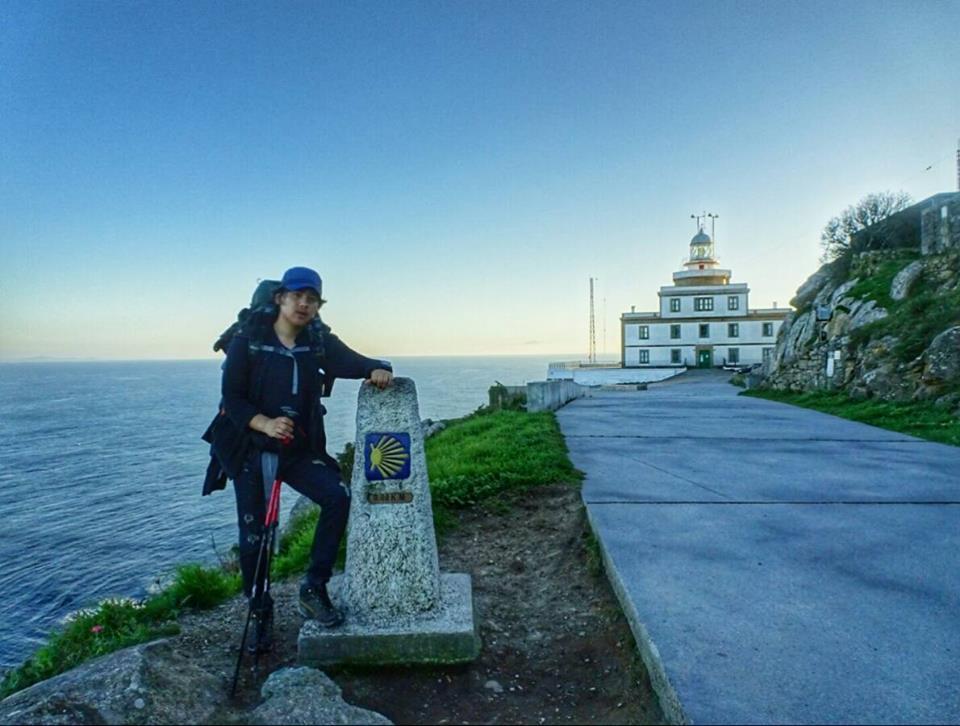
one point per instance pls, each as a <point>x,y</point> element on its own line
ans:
<point>262,620</point>
<point>315,604</point>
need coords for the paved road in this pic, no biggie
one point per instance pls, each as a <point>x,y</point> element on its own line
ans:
<point>778,565</point>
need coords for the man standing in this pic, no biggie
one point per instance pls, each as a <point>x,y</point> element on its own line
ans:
<point>279,364</point>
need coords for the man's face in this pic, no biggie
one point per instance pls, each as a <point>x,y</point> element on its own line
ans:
<point>299,307</point>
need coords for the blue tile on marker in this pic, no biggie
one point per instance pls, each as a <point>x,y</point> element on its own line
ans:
<point>386,456</point>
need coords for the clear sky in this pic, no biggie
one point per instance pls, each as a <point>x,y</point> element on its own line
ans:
<point>455,170</point>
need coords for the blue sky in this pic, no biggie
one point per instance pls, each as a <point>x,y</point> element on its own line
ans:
<point>455,171</point>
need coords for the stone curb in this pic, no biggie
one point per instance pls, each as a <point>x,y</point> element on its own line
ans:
<point>649,653</point>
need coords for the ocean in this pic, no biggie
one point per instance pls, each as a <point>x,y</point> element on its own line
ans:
<point>101,468</point>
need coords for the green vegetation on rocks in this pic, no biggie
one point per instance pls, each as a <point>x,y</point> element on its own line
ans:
<point>916,320</point>
<point>921,419</point>
<point>875,284</point>
<point>115,624</point>
<point>474,459</point>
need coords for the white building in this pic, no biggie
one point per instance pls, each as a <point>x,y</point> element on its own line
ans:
<point>703,320</point>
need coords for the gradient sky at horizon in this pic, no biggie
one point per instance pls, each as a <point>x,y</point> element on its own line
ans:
<point>455,170</point>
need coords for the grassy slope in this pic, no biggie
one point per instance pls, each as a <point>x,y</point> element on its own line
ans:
<point>474,459</point>
<point>916,320</point>
<point>922,420</point>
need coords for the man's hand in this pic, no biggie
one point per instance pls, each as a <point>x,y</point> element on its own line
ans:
<point>381,378</point>
<point>276,428</point>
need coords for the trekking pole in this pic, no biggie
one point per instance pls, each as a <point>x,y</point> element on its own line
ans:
<point>264,557</point>
<point>270,530</point>
<point>273,510</point>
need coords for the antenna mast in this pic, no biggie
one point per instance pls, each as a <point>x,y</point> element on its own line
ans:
<point>592,355</point>
<point>958,165</point>
<point>713,231</point>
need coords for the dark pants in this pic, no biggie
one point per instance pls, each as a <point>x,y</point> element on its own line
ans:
<point>317,481</point>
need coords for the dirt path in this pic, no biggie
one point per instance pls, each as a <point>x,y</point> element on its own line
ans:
<point>556,648</point>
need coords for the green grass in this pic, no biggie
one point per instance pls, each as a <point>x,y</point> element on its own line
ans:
<point>915,321</point>
<point>115,624</point>
<point>877,286</point>
<point>486,455</point>
<point>475,459</point>
<point>920,419</point>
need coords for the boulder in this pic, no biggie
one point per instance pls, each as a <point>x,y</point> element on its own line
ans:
<point>839,293</point>
<point>143,684</point>
<point>839,324</point>
<point>943,357</point>
<point>867,313</point>
<point>800,333</point>
<point>431,427</point>
<point>307,696</point>
<point>809,289</point>
<point>900,287</point>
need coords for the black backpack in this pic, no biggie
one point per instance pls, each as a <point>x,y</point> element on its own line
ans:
<point>262,312</point>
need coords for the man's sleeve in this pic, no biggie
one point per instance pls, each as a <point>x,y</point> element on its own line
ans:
<point>343,362</point>
<point>236,379</point>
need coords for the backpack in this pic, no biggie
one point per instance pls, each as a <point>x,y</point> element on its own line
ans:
<point>262,311</point>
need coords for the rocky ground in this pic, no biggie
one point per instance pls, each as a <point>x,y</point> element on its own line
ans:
<point>556,647</point>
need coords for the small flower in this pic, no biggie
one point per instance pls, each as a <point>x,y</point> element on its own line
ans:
<point>97,629</point>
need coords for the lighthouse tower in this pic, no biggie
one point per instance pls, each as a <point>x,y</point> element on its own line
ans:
<point>701,266</point>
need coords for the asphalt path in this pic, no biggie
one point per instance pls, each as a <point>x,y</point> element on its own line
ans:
<point>778,565</point>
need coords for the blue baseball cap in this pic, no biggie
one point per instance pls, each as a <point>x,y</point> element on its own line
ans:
<point>301,278</point>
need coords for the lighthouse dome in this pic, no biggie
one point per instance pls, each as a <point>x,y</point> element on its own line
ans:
<point>700,238</point>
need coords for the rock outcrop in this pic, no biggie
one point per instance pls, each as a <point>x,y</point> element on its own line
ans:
<point>144,684</point>
<point>154,684</point>
<point>943,357</point>
<point>856,331</point>
<point>307,696</point>
<point>900,287</point>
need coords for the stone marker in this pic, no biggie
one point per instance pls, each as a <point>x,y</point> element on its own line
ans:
<point>399,607</point>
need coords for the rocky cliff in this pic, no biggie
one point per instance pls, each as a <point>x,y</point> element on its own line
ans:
<point>883,324</point>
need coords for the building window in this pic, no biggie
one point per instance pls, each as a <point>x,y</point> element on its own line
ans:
<point>643,332</point>
<point>702,304</point>
<point>733,330</point>
<point>767,330</point>
<point>704,330</point>
<point>674,305</point>
<point>733,355</point>
<point>733,302</point>
<point>644,356</point>
<point>767,354</point>
<point>674,355</point>
<point>675,331</point>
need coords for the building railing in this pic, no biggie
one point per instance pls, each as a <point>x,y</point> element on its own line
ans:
<point>566,365</point>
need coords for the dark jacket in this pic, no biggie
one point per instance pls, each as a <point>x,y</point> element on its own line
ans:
<point>259,380</point>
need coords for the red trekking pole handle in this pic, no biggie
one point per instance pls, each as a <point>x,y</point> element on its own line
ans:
<point>273,508</point>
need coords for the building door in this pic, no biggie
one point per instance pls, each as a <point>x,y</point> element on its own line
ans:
<point>704,358</point>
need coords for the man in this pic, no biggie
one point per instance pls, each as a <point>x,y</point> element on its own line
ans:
<point>279,363</point>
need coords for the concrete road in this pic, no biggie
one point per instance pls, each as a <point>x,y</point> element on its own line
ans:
<point>778,565</point>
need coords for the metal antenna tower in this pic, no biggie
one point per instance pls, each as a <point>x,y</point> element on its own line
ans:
<point>713,230</point>
<point>958,165</point>
<point>592,355</point>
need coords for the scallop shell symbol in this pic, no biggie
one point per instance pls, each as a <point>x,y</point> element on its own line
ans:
<point>387,456</point>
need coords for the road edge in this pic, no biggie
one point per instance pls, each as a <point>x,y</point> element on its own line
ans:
<point>649,653</point>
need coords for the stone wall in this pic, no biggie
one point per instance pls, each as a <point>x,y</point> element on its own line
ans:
<point>551,395</point>
<point>940,225</point>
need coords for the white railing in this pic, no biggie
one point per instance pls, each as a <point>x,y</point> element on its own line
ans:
<point>566,365</point>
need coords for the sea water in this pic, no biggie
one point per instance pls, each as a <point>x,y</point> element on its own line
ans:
<point>101,468</point>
